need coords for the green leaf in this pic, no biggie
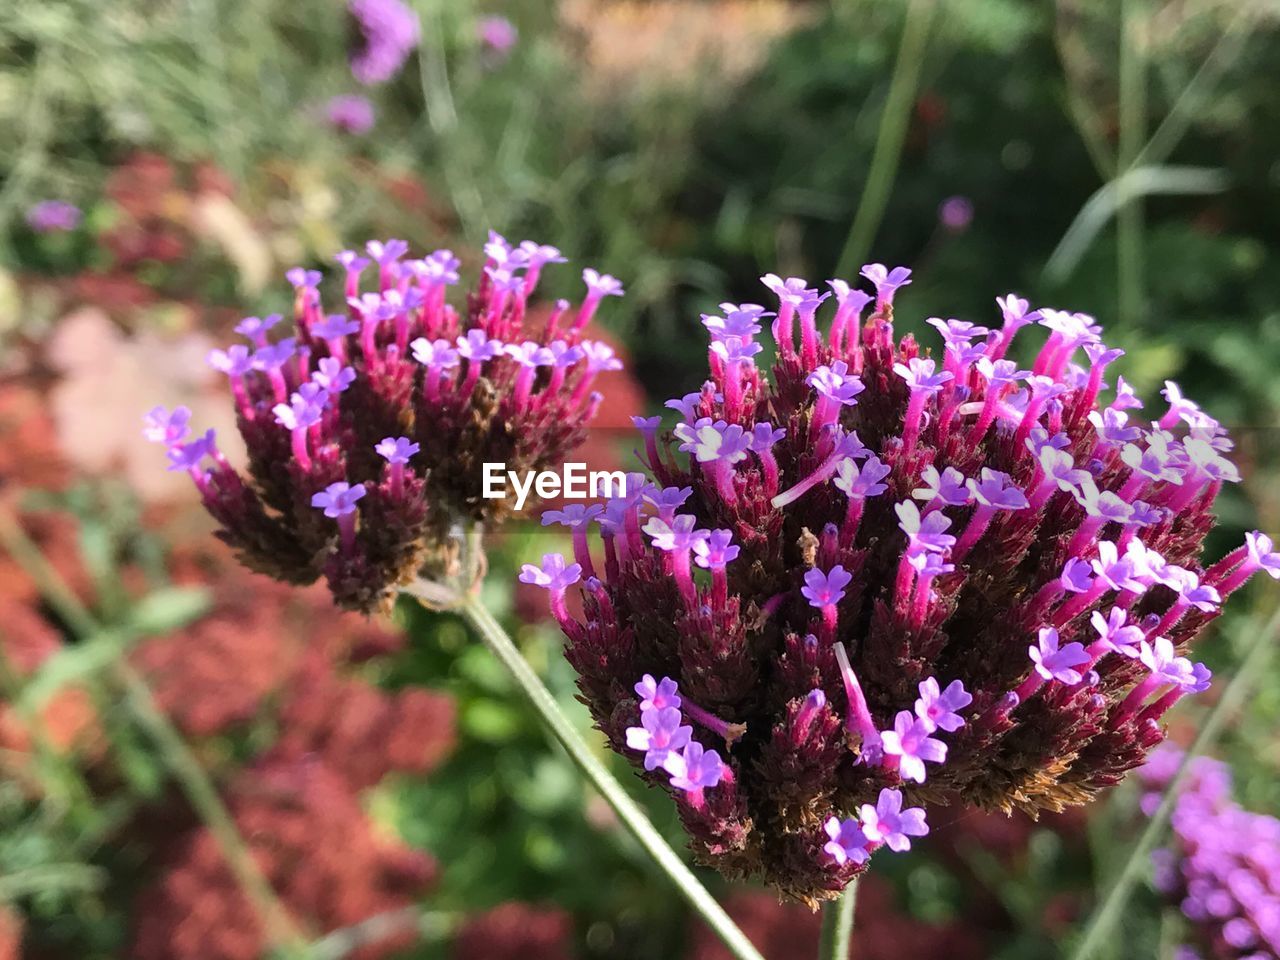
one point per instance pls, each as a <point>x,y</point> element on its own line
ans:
<point>169,608</point>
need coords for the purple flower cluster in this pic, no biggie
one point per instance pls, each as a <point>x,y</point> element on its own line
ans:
<point>810,553</point>
<point>367,430</point>
<point>53,216</point>
<point>350,113</point>
<point>389,30</point>
<point>667,743</point>
<point>1223,867</point>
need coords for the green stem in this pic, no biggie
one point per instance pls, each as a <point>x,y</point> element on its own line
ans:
<point>1129,216</point>
<point>496,639</point>
<point>837,925</point>
<point>893,131</point>
<point>1252,668</point>
<point>204,799</point>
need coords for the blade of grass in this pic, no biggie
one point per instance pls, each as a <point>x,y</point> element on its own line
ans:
<point>893,130</point>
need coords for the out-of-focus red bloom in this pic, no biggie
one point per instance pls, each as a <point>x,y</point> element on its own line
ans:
<point>515,931</point>
<point>10,935</point>
<point>319,852</point>
<point>362,732</point>
<point>883,932</point>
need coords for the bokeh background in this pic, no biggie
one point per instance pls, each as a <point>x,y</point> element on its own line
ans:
<point>1120,157</point>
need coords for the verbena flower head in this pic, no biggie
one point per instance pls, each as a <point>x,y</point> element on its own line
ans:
<point>1222,867</point>
<point>403,397</point>
<point>389,32</point>
<point>950,580</point>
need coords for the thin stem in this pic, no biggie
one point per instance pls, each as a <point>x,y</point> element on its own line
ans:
<point>893,130</point>
<point>1251,669</point>
<point>496,639</point>
<point>1129,217</point>
<point>837,925</point>
<point>200,792</point>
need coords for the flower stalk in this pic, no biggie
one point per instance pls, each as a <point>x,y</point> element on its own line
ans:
<point>837,925</point>
<point>632,817</point>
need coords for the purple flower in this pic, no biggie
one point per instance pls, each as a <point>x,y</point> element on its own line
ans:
<point>695,769</point>
<point>436,354</point>
<point>332,375</point>
<point>334,327</point>
<point>390,30</point>
<point>162,426</point>
<point>956,332</point>
<point>950,487</point>
<point>955,214</point>
<point>940,708</point>
<point>836,383</point>
<point>886,281</point>
<point>437,269</point>
<point>793,291</point>
<point>601,284</point>
<point>187,456</point>
<point>53,216</point>
<point>999,372</point>
<point>740,323</point>
<point>530,354</point>
<point>678,535</point>
<point>861,482</point>
<point>498,34</point>
<point>656,694</point>
<point>847,843</point>
<point>910,742</point>
<point>300,412</point>
<point>235,361</point>
<point>338,499</point>
<point>764,436</point>
<point>925,533</point>
<point>1116,572</point>
<point>600,357</point>
<point>1053,663</point>
<point>275,355</point>
<point>715,551</point>
<point>476,346</point>
<point>735,349</point>
<point>256,328</point>
<point>350,113</point>
<point>920,376</point>
<point>1076,576</point>
<point>396,449</point>
<point>658,735</point>
<point>996,489</point>
<point>1262,553</point>
<point>709,442</point>
<point>1114,633</point>
<point>889,824</point>
<point>1164,664</point>
<point>553,575</point>
<point>826,589</point>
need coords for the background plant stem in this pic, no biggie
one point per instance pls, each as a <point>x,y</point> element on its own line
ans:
<point>1251,669</point>
<point>837,925</point>
<point>893,130</point>
<point>632,817</point>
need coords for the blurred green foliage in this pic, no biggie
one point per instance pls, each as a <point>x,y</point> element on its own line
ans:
<point>689,192</point>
